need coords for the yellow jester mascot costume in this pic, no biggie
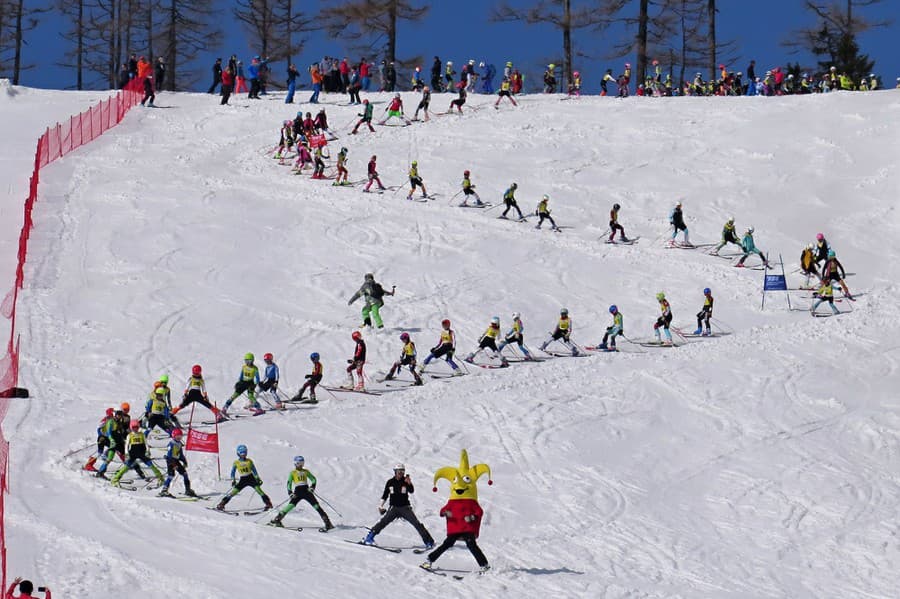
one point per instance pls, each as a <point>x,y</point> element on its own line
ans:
<point>462,511</point>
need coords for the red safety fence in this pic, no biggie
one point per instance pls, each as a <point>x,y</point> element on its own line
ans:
<point>55,143</point>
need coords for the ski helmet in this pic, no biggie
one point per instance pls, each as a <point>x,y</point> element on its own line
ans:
<point>707,291</point>
<point>126,407</point>
<point>445,323</point>
<point>466,173</point>
<point>196,370</point>
<point>366,101</point>
<point>134,425</point>
<point>415,163</point>
<point>750,229</point>
<point>627,65</point>
<point>119,414</point>
<point>397,95</point>
<point>678,204</point>
<point>660,296</point>
<point>241,451</point>
<point>160,391</point>
<point>616,207</point>
<point>343,150</point>
<point>551,66</point>
<point>730,220</point>
<point>299,460</point>
<point>356,335</point>
<point>399,466</point>
<point>516,315</point>
<point>268,357</point>
<point>481,64</point>
<point>575,74</point>
<point>176,433</point>
<point>810,246</point>
<point>819,237</point>
<point>164,379</point>
<point>299,114</point>
<point>514,186</point>
<point>564,312</point>
<point>495,320</point>
<point>509,63</point>
<point>110,412</point>
<point>288,123</point>
<point>404,337</point>
<point>449,63</point>
<point>426,88</point>
<point>613,309</point>
<point>314,356</point>
<point>369,276</point>
<point>248,357</point>
<point>418,69</point>
<point>545,197</point>
<point>831,253</point>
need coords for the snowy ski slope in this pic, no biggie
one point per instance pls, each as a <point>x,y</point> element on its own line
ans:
<point>758,464</point>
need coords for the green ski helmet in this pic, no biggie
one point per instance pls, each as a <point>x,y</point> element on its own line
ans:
<point>248,357</point>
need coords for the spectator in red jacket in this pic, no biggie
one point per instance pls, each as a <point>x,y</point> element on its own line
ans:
<point>364,73</point>
<point>227,85</point>
<point>26,588</point>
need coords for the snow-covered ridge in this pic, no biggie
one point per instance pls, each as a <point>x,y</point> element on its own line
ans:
<point>754,465</point>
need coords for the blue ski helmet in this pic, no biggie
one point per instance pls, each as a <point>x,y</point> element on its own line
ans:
<point>298,460</point>
<point>707,291</point>
<point>613,309</point>
<point>831,253</point>
<point>314,356</point>
<point>242,451</point>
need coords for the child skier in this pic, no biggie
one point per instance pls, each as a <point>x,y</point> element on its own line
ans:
<point>319,168</point>
<point>749,247</point>
<point>397,490</point>
<point>243,475</point>
<point>825,293</point>
<point>312,380</point>
<point>270,380</point>
<point>614,330</point>
<point>543,212</point>
<point>156,412</point>
<point>247,381</point>
<point>460,100</point>
<point>469,190</point>
<point>575,85</point>
<point>516,335</point>
<point>136,450</point>
<point>287,139</point>
<point>822,248</point>
<point>676,219</point>
<point>116,431</point>
<point>196,392</point>
<point>445,348</point>
<point>705,314</point>
<point>342,172</point>
<point>729,235</point>
<point>373,294</point>
<point>664,320</point>
<point>808,262</point>
<point>103,440</point>
<point>373,175</point>
<point>415,180</point>
<point>366,117</point>
<point>356,363</point>
<point>833,270</point>
<point>614,224</point>
<point>504,92</point>
<point>562,333</point>
<point>407,358</point>
<point>423,103</point>
<point>394,109</point>
<point>303,158</point>
<point>176,461</point>
<point>509,200</point>
<point>489,341</point>
<point>301,486</point>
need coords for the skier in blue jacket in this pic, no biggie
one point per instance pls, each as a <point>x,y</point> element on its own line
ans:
<point>750,248</point>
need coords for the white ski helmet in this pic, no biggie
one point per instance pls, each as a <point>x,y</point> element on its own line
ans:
<point>516,315</point>
<point>495,320</point>
<point>399,466</point>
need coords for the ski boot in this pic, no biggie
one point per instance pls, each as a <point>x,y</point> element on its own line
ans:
<point>276,521</point>
<point>426,565</point>
<point>267,502</point>
<point>602,346</point>
<point>484,568</point>
<point>370,539</point>
<point>165,493</point>
<point>699,331</point>
<point>101,474</point>
<point>707,333</point>
<point>90,464</point>
<point>221,505</point>
<point>257,411</point>
<point>328,525</point>
<point>189,492</point>
<point>458,372</point>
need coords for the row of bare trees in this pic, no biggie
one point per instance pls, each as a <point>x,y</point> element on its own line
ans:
<point>681,34</point>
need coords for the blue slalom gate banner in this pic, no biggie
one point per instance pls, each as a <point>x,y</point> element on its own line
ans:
<point>775,283</point>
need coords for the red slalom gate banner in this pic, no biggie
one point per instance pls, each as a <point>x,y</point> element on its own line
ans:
<point>203,442</point>
<point>56,142</point>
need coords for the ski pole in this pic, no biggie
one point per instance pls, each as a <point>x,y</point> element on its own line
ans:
<point>328,503</point>
<point>454,197</point>
<point>492,207</point>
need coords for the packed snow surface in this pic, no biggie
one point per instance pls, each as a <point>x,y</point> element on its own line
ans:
<point>757,464</point>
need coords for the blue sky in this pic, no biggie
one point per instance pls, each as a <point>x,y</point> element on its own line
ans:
<point>460,29</point>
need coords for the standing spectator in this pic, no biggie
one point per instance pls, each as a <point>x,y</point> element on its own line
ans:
<point>390,77</point>
<point>335,74</point>
<point>26,588</point>
<point>381,69</point>
<point>253,72</point>
<point>436,74</point>
<point>263,76</point>
<point>232,63</point>
<point>751,71</point>
<point>132,66</point>
<point>364,73</point>
<point>353,88</point>
<point>227,85</point>
<point>240,82</point>
<point>316,78</point>
<point>124,76</point>
<point>217,77</point>
<point>159,72</point>
<point>293,73</point>
<point>345,75</point>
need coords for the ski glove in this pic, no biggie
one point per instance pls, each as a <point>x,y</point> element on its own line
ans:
<point>381,510</point>
<point>470,518</point>
<point>308,376</point>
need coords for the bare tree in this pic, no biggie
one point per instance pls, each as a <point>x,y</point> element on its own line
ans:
<point>559,14</point>
<point>653,27</point>
<point>24,19</point>
<point>186,31</point>
<point>75,13</point>
<point>372,19</point>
